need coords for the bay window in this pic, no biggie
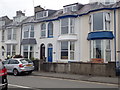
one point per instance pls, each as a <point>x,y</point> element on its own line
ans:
<point>101,49</point>
<point>11,50</point>
<point>28,31</point>
<point>28,51</point>
<point>67,50</point>
<point>11,34</point>
<point>100,21</point>
<point>67,26</point>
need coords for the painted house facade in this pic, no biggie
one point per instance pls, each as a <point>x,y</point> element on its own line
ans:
<point>76,33</point>
<point>11,35</point>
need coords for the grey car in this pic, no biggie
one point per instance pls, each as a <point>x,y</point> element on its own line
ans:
<point>19,65</point>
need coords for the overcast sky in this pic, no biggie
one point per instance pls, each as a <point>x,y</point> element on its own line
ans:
<point>9,7</point>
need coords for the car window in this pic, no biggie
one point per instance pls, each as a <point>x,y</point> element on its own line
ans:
<point>25,61</point>
<point>13,62</point>
<point>5,62</point>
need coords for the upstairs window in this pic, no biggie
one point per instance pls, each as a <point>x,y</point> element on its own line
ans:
<point>28,31</point>
<point>9,37</point>
<point>43,30</point>
<point>3,35</point>
<point>50,29</point>
<point>100,21</point>
<point>11,34</point>
<point>70,8</point>
<point>41,14</point>
<point>67,26</point>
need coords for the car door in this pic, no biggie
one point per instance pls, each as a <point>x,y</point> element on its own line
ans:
<point>9,65</point>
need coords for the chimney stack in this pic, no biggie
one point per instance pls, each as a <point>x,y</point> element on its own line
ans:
<point>20,13</point>
<point>38,9</point>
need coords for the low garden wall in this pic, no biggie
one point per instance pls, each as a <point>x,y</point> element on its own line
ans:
<point>94,69</point>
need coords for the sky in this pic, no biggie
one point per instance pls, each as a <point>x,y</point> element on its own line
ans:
<point>9,7</point>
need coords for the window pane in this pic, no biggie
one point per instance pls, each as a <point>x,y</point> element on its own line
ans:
<point>71,55</point>
<point>64,30</point>
<point>25,54</point>
<point>32,27</point>
<point>31,34</point>
<point>64,45</point>
<point>64,22</point>
<point>50,29</point>
<point>14,34</point>
<point>25,48</point>
<point>98,21</point>
<point>98,50</point>
<point>3,33</point>
<point>64,26</point>
<point>64,50</point>
<point>43,30</point>
<point>72,46</point>
<point>9,34</point>
<point>64,54</point>
<point>31,48</point>
<point>26,34</point>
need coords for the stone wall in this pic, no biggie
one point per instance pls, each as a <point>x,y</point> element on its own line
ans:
<point>94,69</point>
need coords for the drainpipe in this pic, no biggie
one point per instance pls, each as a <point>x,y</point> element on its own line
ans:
<point>20,39</point>
<point>115,35</point>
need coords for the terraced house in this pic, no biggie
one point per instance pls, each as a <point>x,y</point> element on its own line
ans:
<point>76,33</point>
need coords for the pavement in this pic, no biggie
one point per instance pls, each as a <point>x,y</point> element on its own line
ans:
<point>110,80</point>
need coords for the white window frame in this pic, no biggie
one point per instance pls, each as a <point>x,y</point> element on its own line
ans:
<point>105,16</point>
<point>11,49</point>
<point>44,30</point>
<point>103,43</point>
<point>3,35</point>
<point>69,51</point>
<point>12,34</point>
<point>28,50</point>
<point>28,30</point>
<point>69,26</point>
<point>72,8</point>
<point>43,14</point>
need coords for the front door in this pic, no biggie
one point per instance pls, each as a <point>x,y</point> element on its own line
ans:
<point>50,50</point>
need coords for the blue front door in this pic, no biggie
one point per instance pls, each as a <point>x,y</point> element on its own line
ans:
<point>50,54</point>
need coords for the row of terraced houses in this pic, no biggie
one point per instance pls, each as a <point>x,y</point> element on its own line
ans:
<point>78,32</point>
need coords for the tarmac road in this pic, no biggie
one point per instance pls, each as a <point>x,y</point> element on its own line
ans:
<point>31,82</point>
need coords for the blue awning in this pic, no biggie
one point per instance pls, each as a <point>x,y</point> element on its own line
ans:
<point>100,35</point>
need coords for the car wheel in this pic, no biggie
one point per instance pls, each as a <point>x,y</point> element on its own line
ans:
<point>30,72</point>
<point>6,87</point>
<point>15,72</point>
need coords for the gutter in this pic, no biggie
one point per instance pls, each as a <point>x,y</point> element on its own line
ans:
<point>115,36</point>
<point>21,39</point>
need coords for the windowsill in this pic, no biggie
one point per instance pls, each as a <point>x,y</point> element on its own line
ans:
<point>29,38</point>
<point>67,34</point>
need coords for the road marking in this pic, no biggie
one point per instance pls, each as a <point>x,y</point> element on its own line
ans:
<point>18,86</point>
<point>93,82</point>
